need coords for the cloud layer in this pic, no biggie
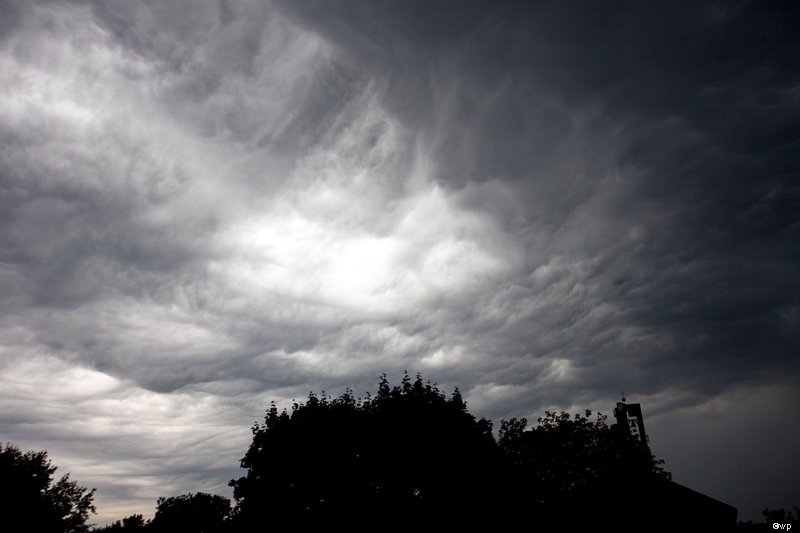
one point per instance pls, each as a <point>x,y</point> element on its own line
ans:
<point>208,206</point>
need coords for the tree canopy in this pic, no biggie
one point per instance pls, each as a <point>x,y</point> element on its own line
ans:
<point>409,450</point>
<point>28,491</point>
<point>412,451</point>
<point>190,513</point>
<point>134,522</point>
<point>571,462</point>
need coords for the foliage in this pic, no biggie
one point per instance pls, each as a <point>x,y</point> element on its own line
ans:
<point>28,491</point>
<point>568,452</point>
<point>189,513</point>
<point>773,516</point>
<point>571,461</point>
<point>408,450</point>
<point>781,516</point>
<point>134,522</point>
<point>411,451</point>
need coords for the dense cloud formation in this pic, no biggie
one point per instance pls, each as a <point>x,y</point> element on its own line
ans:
<point>205,206</point>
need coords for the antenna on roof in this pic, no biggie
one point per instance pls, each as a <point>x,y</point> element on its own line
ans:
<point>622,393</point>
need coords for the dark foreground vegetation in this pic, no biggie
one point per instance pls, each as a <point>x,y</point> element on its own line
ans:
<point>409,456</point>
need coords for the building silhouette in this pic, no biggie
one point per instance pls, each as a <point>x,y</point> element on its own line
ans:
<point>656,503</point>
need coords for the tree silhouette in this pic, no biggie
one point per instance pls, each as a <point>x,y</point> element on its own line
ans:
<point>412,452</point>
<point>134,522</point>
<point>570,462</point>
<point>28,494</point>
<point>191,513</point>
<point>409,451</point>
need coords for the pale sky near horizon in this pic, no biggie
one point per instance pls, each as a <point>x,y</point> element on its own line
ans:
<point>209,205</point>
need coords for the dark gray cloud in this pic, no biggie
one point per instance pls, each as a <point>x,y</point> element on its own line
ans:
<point>653,144</point>
<point>208,206</point>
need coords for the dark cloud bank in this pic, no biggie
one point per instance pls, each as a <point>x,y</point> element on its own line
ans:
<point>207,206</point>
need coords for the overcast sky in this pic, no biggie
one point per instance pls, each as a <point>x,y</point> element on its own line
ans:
<point>206,206</point>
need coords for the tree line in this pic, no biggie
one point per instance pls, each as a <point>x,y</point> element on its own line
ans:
<point>409,454</point>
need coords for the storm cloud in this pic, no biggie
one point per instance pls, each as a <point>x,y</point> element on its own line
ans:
<point>206,206</point>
